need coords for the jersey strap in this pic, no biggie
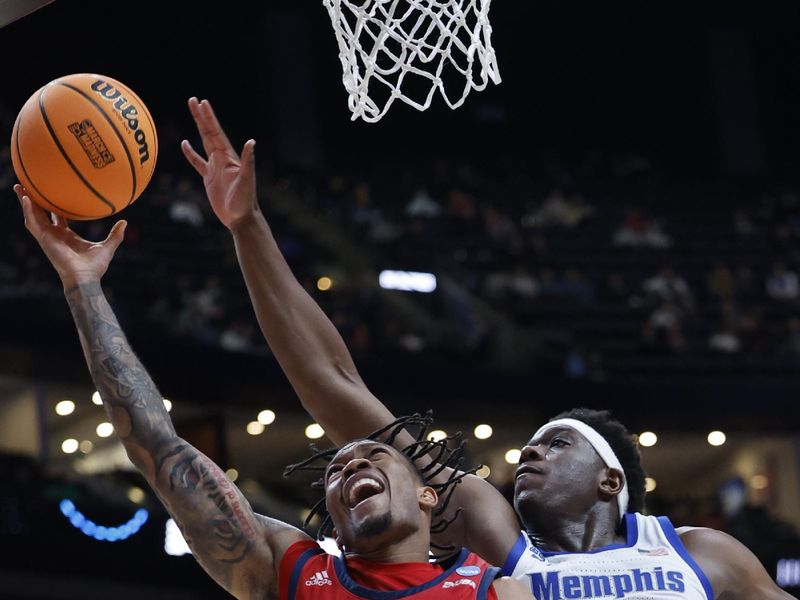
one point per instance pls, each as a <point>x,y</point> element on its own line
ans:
<point>292,563</point>
<point>675,541</point>
<point>488,578</point>
<point>513,557</point>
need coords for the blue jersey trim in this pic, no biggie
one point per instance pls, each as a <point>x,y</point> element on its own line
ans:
<point>675,540</point>
<point>513,557</point>
<point>488,578</point>
<point>344,578</point>
<point>298,567</point>
<point>631,537</point>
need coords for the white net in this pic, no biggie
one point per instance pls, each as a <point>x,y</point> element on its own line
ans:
<point>409,50</point>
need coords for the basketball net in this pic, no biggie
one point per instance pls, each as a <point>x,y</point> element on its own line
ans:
<point>393,49</point>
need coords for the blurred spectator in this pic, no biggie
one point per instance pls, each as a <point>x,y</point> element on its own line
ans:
<point>746,286</point>
<point>639,231</point>
<point>669,287</point>
<point>186,203</point>
<point>499,227</point>
<point>573,285</point>
<point>782,284</point>
<point>721,282</point>
<point>663,329</point>
<point>793,337</point>
<point>521,284</point>
<point>724,339</point>
<point>743,224</point>
<point>238,337</point>
<point>559,211</point>
<point>422,205</point>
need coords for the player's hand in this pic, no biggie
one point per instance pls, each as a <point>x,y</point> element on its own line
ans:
<point>75,259</point>
<point>230,179</point>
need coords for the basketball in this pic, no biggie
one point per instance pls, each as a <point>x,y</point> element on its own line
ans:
<point>84,146</point>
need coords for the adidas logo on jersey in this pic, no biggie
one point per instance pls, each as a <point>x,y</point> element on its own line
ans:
<point>319,578</point>
<point>456,583</point>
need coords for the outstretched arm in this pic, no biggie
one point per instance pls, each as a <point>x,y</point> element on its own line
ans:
<point>733,571</point>
<point>307,345</point>
<point>238,548</point>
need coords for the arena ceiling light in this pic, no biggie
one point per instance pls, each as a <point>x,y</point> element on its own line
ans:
<point>314,431</point>
<point>266,417</point>
<point>483,431</point>
<point>69,446</point>
<point>407,281</point>
<point>96,399</point>
<point>648,439</point>
<point>255,428</point>
<point>437,435</point>
<point>105,429</point>
<point>717,438</point>
<point>65,407</point>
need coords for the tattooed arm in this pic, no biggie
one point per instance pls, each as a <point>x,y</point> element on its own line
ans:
<point>239,549</point>
<point>236,547</point>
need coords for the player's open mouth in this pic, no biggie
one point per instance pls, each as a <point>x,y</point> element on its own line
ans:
<point>363,489</point>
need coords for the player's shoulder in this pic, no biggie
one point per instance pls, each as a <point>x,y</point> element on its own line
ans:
<point>705,538</point>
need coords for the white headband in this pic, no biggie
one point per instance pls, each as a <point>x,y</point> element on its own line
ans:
<point>602,448</point>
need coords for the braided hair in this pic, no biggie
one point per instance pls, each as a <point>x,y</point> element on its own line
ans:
<point>446,453</point>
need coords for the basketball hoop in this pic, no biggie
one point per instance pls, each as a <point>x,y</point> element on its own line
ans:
<point>409,50</point>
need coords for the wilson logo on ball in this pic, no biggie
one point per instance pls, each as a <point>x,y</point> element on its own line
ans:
<point>127,111</point>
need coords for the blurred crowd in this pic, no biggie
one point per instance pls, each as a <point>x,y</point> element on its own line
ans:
<point>610,265</point>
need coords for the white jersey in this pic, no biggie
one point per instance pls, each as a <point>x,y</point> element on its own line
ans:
<point>651,565</point>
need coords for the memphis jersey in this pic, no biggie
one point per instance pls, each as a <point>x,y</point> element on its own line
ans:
<point>651,565</point>
<point>308,573</point>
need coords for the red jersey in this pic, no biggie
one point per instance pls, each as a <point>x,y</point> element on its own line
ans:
<point>307,572</point>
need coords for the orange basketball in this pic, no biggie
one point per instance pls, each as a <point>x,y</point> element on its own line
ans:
<point>84,146</point>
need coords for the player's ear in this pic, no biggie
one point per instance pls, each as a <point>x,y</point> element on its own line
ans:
<point>427,497</point>
<point>611,482</point>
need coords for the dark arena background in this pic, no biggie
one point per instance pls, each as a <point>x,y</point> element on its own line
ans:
<point>616,225</point>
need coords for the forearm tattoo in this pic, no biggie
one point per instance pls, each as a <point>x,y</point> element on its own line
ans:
<point>130,397</point>
<point>215,518</point>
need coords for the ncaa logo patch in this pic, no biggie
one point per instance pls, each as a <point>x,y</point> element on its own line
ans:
<point>469,570</point>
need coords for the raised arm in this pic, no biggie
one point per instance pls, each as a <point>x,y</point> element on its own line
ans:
<point>239,549</point>
<point>307,345</point>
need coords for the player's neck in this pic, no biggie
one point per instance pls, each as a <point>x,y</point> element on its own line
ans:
<point>413,548</point>
<point>593,529</point>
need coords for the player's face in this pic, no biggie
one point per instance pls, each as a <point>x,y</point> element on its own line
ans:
<point>372,496</point>
<point>559,473</point>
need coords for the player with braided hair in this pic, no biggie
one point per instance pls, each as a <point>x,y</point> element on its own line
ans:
<point>579,476</point>
<point>444,457</point>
